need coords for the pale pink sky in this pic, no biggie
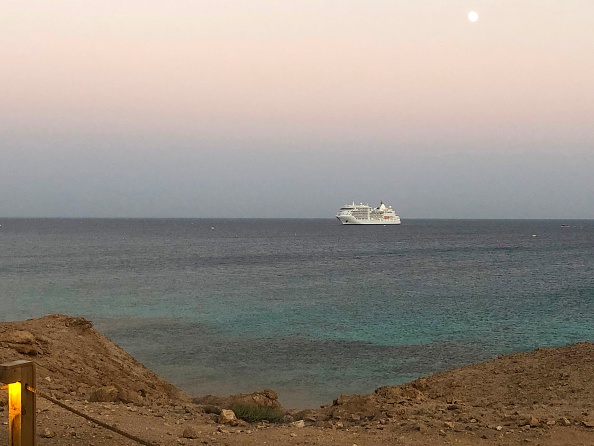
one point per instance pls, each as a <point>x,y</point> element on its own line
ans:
<point>392,79</point>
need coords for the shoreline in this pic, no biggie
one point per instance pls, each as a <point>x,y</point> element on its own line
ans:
<point>543,396</point>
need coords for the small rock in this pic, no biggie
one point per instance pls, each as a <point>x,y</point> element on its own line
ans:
<point>449,424</point>
<point>47,433</point>
<point>293,434</point>
<point>499,428</point>
<point>564,422</point>
<point>533,421</point>
<point>190,432</point>
<point>298,424</point>
<point>104,394</point>
<point>227,416</point>
<point>588,423</point>
<point>129,396</point>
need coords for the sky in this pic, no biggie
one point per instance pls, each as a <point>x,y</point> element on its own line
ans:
<point>264,108</point>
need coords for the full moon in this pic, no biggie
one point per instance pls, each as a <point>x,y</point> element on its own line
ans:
<point>473,16</point>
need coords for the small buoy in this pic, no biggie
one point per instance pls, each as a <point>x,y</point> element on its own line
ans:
<point>533,235</point>
<point>212,227</point>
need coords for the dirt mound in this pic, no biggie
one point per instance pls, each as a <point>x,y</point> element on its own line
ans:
<point>546,387</point>
<point>74,360</point>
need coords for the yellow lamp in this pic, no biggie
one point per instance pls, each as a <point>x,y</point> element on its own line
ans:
<point>21,402</point>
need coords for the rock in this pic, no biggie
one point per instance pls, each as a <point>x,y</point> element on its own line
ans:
<point>499,428</point>
<point>533,422</point>
<point>227,416</point>
<point>449,424</point>
<point>190,432</point>
<point>47,433</point>
<point>564,422</point>
<point>106,394</point>
<point>307,415</point>
<point>298,424</point>
<point>78,322</point>
<point>588,423</point>
<point>25,349</point>
<point>265,398</point>
<point>129,396</point>
<point>18,337</point>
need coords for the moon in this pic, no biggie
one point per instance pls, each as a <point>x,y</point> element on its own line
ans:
<point>473,16</point>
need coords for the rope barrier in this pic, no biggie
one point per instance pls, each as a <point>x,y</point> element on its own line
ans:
<point>94,420</point>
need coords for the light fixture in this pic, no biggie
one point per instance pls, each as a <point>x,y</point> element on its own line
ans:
<point>21,402</point>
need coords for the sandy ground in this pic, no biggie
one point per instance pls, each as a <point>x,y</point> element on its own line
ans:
<point>544,397</point>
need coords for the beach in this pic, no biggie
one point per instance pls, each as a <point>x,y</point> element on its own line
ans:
<point>540,397</point>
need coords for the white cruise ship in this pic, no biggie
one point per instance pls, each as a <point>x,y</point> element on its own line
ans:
<point>362,214</point>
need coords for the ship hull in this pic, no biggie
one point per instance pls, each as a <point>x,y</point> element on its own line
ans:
<point>350,220</point>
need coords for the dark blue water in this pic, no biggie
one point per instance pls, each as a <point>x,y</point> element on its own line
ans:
<point>309,308</point>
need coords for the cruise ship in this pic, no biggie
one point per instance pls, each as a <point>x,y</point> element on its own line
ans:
<point>363,214</point>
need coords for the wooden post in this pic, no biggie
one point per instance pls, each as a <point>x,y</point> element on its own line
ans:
<point>21,402</point>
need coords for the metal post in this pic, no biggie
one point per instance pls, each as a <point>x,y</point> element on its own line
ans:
<point>21,402</point>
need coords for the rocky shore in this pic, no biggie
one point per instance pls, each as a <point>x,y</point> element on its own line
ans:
<point>544,397</point>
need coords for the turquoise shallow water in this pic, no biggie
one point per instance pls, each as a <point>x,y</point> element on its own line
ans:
<point>309,308</point>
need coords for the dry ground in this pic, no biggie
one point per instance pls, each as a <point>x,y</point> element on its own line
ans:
<point>544,397</point>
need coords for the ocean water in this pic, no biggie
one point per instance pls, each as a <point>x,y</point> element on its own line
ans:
<point>309,308</point>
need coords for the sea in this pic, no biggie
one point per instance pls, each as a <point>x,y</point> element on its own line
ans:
<point>307,307</point>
